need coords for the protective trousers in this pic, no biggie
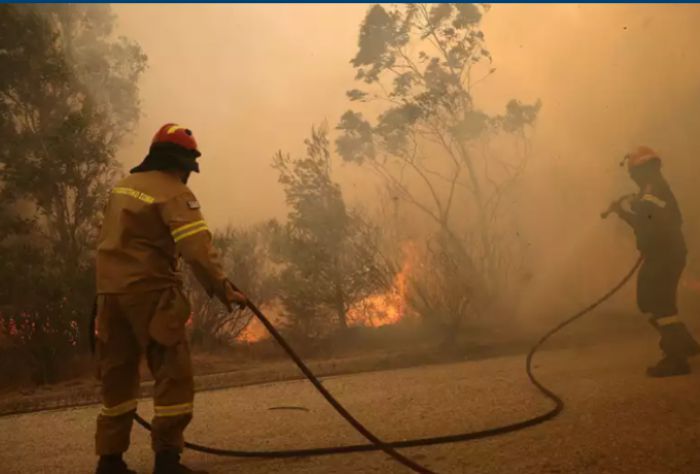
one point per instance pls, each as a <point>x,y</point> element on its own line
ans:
<point>657,285</point>
<point>128,327</point>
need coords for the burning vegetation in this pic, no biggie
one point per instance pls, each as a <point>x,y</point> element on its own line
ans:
<point>376,310</point>
<point>389,307</point>
<point>419,131</point>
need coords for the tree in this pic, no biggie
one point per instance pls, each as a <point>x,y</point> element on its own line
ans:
<point>68,96</point>
<point>329,254</point>
<point>429,141</point>
<point>442,289</point>
<point>244,254</point>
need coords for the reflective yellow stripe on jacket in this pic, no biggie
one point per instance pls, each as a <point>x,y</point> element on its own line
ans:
<point>134,194</point>
<point>654,200</point>
<point>188,230</point>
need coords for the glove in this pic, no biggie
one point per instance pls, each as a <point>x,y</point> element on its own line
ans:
<point>615,206</point>
<point>234,296</point>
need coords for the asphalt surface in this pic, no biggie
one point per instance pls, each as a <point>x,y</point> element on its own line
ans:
<point>616,420</point>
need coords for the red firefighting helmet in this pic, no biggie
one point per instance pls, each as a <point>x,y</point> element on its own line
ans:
<point>640,156</point>
<point>178,135</point>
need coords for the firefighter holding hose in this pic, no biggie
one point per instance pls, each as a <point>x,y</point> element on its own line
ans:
<point>655,217</point>
<point>151,219</point>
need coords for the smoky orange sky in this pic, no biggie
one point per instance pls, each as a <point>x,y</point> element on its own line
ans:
<point>252,79</point>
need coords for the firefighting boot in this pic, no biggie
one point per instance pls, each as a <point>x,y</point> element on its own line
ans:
<point>168,462</point>
<point>112,464</point>
<point>669,367</point>
<point>676,341</point>
<point>677,345</point>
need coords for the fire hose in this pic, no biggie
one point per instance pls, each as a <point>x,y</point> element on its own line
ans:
<point>390,447</point>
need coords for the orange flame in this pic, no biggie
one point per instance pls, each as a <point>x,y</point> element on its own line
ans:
<point>373,311</point>
<point>253,332</point>
<point>387,308</point>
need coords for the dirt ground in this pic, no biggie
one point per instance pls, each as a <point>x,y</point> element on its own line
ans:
<point>616,420</point>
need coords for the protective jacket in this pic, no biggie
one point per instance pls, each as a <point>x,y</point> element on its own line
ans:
<point>656,220</point>
<point>151,219</point>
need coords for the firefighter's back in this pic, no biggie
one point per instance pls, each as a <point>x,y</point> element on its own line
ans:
<point>659,234</point>
<point>135,251</point>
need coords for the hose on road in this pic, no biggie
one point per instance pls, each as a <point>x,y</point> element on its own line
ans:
<point>390,447</point>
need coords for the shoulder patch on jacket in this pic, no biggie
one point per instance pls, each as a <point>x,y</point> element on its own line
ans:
<point>654,200</point>
<point>193,204</point>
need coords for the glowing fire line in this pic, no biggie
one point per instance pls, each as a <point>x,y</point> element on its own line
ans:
<point>373,311</point>
<point>387,308</point>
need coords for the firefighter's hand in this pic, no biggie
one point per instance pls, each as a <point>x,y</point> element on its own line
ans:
<point>235,297</point>
<point>615,207</point>
<point>239,298</point>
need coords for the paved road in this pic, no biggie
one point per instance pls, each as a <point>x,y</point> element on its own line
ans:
<point>616,421</point>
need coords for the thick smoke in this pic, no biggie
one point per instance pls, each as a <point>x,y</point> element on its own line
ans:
<point>252,79</point>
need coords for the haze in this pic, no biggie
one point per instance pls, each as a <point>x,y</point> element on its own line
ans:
<point>252,79</point>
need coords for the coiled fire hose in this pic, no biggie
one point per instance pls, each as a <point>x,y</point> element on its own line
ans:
<point>390,448</point>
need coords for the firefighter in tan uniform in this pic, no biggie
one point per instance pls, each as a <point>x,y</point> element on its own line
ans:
<point>151,219</point>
